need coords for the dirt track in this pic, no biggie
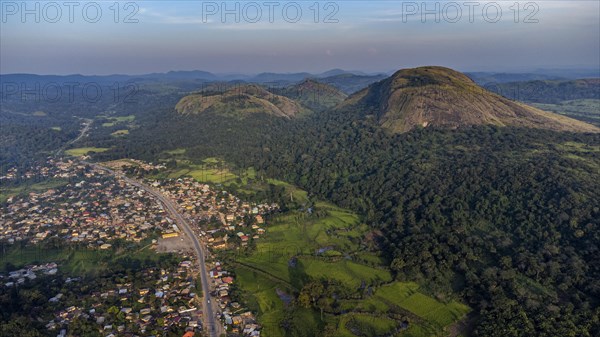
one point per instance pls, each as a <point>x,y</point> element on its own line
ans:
<point>175,245</point>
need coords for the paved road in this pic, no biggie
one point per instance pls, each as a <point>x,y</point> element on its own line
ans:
<point>86,127</point>
<point>87,123</point>
<point>213,328</point>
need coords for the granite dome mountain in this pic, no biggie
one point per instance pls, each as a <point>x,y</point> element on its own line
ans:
<point>240,100</point>
<point>444,98</point>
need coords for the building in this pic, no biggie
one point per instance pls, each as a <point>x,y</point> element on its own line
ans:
<point>170,235</point>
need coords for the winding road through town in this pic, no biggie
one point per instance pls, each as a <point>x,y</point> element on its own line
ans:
<point>211,326</point>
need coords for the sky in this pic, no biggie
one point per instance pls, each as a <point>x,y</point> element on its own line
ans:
<point>136,37</point>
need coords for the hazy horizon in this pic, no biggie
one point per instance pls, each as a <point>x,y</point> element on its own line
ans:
<point>380,36</point>
<point>385,72</point>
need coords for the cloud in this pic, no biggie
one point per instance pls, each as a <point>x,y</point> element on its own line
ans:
<point>154,16</point>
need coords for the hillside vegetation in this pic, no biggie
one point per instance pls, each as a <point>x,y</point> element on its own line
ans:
<point>240,101</point>
<point>314,95</point>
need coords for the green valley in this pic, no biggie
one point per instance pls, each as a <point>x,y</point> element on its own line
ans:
<point>290,261</point>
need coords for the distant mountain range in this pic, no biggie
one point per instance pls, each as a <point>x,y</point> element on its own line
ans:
<point>197,75</point>
<point>548,91</point>
<point>346,81</point>
<point>486,78</point>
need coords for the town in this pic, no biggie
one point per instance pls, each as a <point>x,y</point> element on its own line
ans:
<point>93,210</point>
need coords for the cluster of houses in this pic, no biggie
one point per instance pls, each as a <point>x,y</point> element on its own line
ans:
<point>50,168</point>
<point>167,299</point>
<point>238,221</point>
<point>223,221</point>
<point>38,170</point>
<point>18,277</point>
<point>123,163</point>
<point>94,210</point>
<point>11,174</point>
<point>236,320</point>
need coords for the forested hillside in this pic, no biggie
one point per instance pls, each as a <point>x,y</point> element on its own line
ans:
<point>489,213</point>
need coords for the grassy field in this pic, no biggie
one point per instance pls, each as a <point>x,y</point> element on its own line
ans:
<point>74,261</point>
<point>28,255</point>
<point>37,187</point>
<point>211,170</point>
<point>262,298</point>
<point>367,325</point>
<point>302,237</point>
<point>211,160</point>
<point>120,133</point>
<point>176,152</point>
<point>349,273</point>
<point>297,194</point>
<point>384,298</point>
<point>120,119</point>
<point>205,174</point>
<point>297,234</point>
<point>434,311</point>
<point>82,151</point>
<point>212,175</point>
<point>216,171</point>
<point>129,118</point>
<point>433,316</point>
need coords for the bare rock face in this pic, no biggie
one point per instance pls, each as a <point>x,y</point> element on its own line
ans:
<point>444,98</point>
